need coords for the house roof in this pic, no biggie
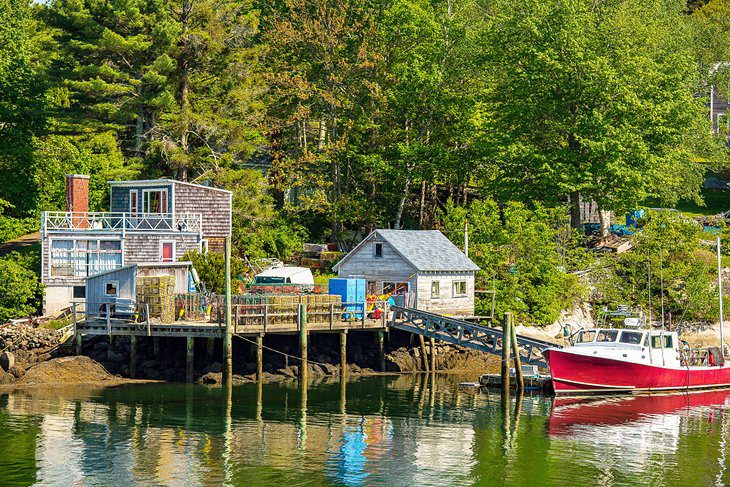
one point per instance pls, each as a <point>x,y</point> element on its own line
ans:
<point>425,250</point>
<point>112,271</point>
<point>153,182</point>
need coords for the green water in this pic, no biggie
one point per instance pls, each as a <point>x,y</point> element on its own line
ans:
<point>389,431</point>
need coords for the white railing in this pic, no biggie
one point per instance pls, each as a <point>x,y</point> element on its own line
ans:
<point>119,222</point>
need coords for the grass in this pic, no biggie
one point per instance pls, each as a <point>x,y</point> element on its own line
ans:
<point>715,202</point>
<point>58,324</point>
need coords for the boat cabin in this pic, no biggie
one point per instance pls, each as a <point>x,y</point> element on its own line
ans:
<point>653,347</point>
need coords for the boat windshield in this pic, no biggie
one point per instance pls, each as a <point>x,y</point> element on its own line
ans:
<point>586,336</point>
<point>607,336</point>
<point>631,337</point>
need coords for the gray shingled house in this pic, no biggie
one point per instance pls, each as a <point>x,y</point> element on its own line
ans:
<point>423,263</point>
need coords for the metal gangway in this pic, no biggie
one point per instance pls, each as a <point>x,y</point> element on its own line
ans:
<point>466,334</point>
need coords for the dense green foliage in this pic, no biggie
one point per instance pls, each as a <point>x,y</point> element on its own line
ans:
<point>20,288</point>
<point>360,114</point>
<point>680,264</point>
<point>210,267</point>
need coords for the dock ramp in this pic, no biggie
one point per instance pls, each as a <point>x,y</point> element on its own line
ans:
<point>466,334</point>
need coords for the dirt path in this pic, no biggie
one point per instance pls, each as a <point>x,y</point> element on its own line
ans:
<point>20,243</point>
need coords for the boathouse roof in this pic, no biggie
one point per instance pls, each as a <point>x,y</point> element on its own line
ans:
<point>425,250</point>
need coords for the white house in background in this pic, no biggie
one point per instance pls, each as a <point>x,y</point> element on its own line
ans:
<point>423,263</point>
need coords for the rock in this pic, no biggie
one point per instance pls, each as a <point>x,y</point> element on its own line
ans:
<point>115,357</point>
<point>17,372</point>
<point>7,361</point>
<point>291,372</point>
<point>330,369</point>
<point>210,378</point>
<point>7,379</point>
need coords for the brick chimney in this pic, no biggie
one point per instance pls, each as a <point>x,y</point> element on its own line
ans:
<point>77,198</point>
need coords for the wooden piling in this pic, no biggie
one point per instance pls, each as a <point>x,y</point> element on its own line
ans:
<point>302,315</point>
<point>433,354</point>
<point>506,341</point>
<point>516,351</point>
<point>381,350</point>
<point>424,357</point>
<point>79,343</point>
<point>110,349</point>
<point>259,357</point>
<point>227,338</point>
<point>189,360</point>
<point>343,354</point>
<point>133,356</point>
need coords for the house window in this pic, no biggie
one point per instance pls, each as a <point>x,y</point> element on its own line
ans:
<point>395,288</point>
<point>79,292</point>
<point>378,252</point>
<point>167,251</point>
<point>459,289</point>
<point>111,288</point>
<point>84,257</point>
<point>204,246</point>
<point>154,201</point>
<point>133,195</point>
<point>435,290</point>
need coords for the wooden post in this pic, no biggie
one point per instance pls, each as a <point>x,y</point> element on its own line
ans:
<point>147,318</point>
<point>209,348</point>
<point>516,351</point>
<point>302,315</point>
<point>364,312</point>
<point>189,360</point>
<point>343,354</point>
<point>110,350</point>
<point>108,320</point>
<point>506,340</point>
<point>424,357</point>
<point>259,357</point>
<point>381,350</point>
<point>332,315</point>
<point>133,356</point>
<point>433,354</point>
<point>79,343</point>
<point>238,316</point>
<point>266,317</point>
<point>227,339</point>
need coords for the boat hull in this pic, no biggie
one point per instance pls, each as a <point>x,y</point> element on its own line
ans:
<point>575,374</point>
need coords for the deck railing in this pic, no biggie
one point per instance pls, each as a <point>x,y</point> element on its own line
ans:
<point>121,222</point>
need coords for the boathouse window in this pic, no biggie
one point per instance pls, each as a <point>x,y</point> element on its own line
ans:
<point>607,336</point>
<point>79,292</point>
<point>631,337</point>
<point>435,290</point>
<point>378,250</point>
<point>111,288</point>
<point>459,289</point>
<point>586,336</point>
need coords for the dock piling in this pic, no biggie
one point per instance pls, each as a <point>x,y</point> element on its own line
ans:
<point>433,354</point>
<point>209,349</point>
<point>343,354</point>
<point>79,343</point>
<point>133,356</point>
<point>506,342</point>
<point>381,350</point>
<point>259,357</point>
<point>516,351</point>
<point>302,316</point>
<point>110,349</point>
<point>189,359</point>
<point>227,338</point>
<point>424,357</point>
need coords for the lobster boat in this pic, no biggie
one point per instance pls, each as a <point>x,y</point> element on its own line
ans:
<point>607,360</point>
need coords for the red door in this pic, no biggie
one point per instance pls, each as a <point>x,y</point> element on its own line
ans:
<point>167,248</point>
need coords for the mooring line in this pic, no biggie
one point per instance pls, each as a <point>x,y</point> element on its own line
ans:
<point>278,351</point>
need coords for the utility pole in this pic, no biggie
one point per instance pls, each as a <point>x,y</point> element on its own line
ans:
<point>227,349</point>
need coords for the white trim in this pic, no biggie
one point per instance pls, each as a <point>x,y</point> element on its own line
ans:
<point>174,245</point>
<point>203,245</point>
<point>453,288</point>
<point>136,201</point>
<point>146,208</point>
<point>146,182</point>
<point>116,287</point>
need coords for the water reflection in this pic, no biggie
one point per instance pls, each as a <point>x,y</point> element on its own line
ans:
<point>404,430</point>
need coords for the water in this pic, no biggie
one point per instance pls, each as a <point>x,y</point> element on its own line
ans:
<point>387,430</point>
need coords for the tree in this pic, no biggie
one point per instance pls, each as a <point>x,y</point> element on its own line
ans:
<point>22,113</point>
<point>595,100</point>
<point>19,288</point>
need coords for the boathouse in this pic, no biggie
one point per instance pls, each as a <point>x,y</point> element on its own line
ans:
<point>152,223</point>
<point>424,265</point>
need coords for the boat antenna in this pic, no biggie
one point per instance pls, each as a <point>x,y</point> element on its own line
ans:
<point>648,267</point>
<point>661,280</point>
<point>719,288</point>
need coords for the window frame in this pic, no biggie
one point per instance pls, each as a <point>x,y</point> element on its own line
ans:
<point>378,250</point>
<point>115,283</point>
<point>133,210</point>
<point>146,201</point>
<point>162,247</point>
<point>437,286</point>
<point>455,292</point>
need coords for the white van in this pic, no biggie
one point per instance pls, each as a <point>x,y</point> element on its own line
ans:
<point>285,275</point>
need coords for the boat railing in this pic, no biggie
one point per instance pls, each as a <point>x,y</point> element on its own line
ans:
<point>693,357</point>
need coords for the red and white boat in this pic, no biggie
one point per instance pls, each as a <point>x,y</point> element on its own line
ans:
<point>610,361</point>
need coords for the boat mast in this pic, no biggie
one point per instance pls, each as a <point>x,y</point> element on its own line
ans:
<point>648,266</point>
<point>719,288</point>
<point>661,280</point>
